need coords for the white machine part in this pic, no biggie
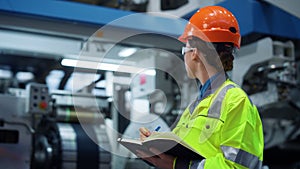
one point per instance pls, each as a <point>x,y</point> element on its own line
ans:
<point>15,133</point>
<point>267,71</point>
<point>36,133</point>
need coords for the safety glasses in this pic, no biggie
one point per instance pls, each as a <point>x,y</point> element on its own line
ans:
<point>186,50</point>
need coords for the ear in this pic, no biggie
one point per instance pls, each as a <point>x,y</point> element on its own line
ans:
<point>196,55</point>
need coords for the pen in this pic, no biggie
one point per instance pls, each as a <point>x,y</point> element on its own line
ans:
<point>157,128</point>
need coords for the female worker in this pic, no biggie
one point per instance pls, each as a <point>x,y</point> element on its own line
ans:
<point>221,124</point>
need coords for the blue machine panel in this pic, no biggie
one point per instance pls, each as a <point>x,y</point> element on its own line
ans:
<point>260,17</point>
<point>254,16</point>
<point>84,13</point>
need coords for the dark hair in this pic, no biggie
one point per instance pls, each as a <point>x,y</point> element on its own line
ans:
<point>215,52</point>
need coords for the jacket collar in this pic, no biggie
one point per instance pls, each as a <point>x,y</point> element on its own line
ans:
<point>212,84</point>
<point>208,88</point>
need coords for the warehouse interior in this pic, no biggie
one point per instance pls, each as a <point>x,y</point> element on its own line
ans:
<point>77,74</point>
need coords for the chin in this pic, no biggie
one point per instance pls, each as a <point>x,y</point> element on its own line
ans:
<point>190,74</point>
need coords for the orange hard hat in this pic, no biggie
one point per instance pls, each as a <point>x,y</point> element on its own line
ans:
<point>213,24</point>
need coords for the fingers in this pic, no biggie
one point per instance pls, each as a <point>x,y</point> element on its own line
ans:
<point>144,133</point>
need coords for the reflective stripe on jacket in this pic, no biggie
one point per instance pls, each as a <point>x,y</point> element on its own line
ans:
<point>225,128</point>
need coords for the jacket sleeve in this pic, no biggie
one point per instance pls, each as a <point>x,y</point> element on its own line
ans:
<point>241,137</point>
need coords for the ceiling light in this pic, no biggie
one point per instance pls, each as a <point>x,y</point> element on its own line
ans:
<point>150,72</point>
<point>127,52</point>
<point>24,76</point>
<point>105,66</point>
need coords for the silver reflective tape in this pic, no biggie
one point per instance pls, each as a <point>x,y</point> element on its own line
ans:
<point>241,157</point>
<point>193,106</point>
<point>197,164</point>
<point>215,109</point>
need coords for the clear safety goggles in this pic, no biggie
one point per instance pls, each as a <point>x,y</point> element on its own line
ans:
<point>186,50</point>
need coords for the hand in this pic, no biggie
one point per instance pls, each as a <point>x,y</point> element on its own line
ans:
<point>160,160</point>
<point>144,133</point>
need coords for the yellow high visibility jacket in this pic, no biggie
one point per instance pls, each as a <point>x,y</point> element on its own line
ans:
<point>225,128</point>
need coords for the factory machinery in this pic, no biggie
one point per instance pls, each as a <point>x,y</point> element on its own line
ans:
<point>64,130</point>
<point>268,70</point>
<point>43,130</point>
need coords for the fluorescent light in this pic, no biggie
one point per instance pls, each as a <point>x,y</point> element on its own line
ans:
<point>127,52</point>
<point>106,66</point>
<point>24,76</point>
<point>150,72</point>
<point>273,66</point>
<point>89,64</point>
<point>69,62</point>
<point>5,74</point>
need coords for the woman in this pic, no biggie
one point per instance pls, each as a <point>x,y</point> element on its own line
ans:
<point>222,124</point>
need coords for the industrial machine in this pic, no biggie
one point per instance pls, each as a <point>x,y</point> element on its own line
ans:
<point>46,130</point>
<point>268,70</point>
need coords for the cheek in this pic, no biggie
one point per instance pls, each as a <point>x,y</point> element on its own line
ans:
<point>186,65</point>
<point>186,60</point>
<point>188,70</point>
